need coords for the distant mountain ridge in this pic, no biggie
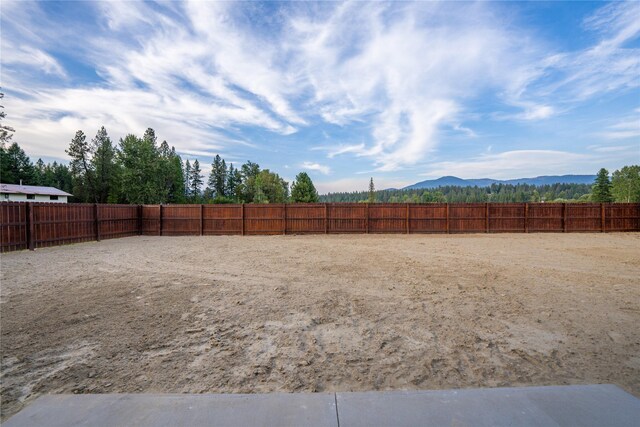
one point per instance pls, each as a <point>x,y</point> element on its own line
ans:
<point>486,182</point>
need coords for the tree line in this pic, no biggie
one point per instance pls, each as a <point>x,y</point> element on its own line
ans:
<point>622,186</point>
<point>138,170</point>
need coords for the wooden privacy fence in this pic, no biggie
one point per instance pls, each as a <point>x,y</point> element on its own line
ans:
<point>36,225</point>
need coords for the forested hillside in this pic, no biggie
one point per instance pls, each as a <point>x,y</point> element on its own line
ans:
<point>501,193</point>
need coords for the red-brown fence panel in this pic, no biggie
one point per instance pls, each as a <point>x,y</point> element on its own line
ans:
<point>545,217</point>
<point>180,220</point>
<point>622,217</point>
<point>150,220</point>
<point>306,218</point>
<point>583,217</point>
<point>347,218</point>
<point>264,219</point>
<point>36,225</point>
<point>428,218</point>
<point>388,217</point>
<point>467,218</point>
<point>117,221</point>
<point>506,217</point>
<point>13,226</point>
<point>61,223</point>
<point>221,219</point>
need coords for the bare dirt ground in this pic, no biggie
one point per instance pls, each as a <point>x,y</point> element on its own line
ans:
<point>320,313</point>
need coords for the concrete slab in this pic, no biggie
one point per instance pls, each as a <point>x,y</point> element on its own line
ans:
<point>582,405</point>
<point>102,410</point>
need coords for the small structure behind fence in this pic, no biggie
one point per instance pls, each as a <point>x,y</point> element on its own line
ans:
<point>37,225</point>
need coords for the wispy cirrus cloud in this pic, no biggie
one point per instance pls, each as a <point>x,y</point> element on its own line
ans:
<point>394,79</point>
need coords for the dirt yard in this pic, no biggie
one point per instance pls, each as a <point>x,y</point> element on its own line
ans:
<point>320,313</point>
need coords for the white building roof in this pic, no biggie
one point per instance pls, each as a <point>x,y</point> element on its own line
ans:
<point>31,189</point>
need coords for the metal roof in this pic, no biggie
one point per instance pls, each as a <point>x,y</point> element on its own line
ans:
<point>31,189</point>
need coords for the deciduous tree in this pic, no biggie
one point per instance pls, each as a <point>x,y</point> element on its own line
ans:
<point>625,184</point>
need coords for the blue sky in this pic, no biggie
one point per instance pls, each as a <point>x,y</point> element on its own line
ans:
<point>397,91</point>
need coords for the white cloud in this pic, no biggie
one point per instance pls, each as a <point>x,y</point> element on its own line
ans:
<point>33,57</point>
<point>402,72</point>
<point>323,169</point>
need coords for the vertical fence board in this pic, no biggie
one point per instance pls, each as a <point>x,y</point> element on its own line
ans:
<point>387,218</point>
<point>428,218</point>
<point>150,220</point>
<point>306,218</point>
<point>14,226</point>
<point>264,219</point>
<point>222,220</point>
<point>348,217</point>
<point>180,220</point>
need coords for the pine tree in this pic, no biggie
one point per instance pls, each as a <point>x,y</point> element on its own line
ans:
<point>195,180</point>
<point>39,173</point>
<point>601,190</point>
<point>187,179</point>
<point>372,192</point>
<point>218,177</point>
<point>303,190</point>
<point>234,179</point>
<point>6,132</point>
<point>15,166</point>
<point>103,163</point>
<point>82,168</point>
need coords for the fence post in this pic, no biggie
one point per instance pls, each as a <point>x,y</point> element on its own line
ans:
<point>526,217</point>
<point>96,215</point>
<point>326,219</point>
<point>242,217</point>
<point>602,217</point>
<point>486,217</point>
<point>30,227</point>
<point>201,219</point>
<point>564,217</point>
<point>284,220</point>
<point>139,220</point>
<point>366,221</point>
<point>407,218</point>
<point>160,219</point>
<point>447,218</point>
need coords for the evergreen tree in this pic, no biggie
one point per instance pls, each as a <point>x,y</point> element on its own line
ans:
<point>601,191</point>
<point>82,168</point>
<point>103,163</point>
<point>187,179</point>
<point>625,184</point>
<point>196,181</point>
<point>39,173</point>
<point>303,190</point>
<point>372,192</point>
<point>234,180</point>
<point>218,178</point>
<point>16,166</point>
<point>170,174</point>
<point>6,132</point>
